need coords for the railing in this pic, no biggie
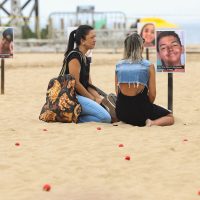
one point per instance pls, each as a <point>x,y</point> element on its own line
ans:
<point>108,40</point>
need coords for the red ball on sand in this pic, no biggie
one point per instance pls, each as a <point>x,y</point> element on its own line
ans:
<point>46,187</point>
<point>44,129</point>
<point>127,157</point>
<point>120,145</point>
<point>17,144</point>
<point>199,192</point>
<point>98,128</point>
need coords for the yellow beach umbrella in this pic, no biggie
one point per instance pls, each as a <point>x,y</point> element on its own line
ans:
<point>159,23</point>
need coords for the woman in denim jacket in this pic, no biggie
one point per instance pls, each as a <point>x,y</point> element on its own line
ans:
<point>135,86</point>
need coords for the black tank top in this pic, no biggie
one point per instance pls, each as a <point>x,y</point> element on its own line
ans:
<point>85,67</point>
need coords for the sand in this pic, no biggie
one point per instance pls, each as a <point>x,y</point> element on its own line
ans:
<point>83,163</point>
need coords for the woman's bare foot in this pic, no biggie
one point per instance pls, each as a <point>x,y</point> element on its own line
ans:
<point>148,122</point>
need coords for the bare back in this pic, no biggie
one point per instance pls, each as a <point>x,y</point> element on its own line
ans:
<point>131,89</point>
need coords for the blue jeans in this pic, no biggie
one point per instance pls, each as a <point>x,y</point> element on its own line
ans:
<point>92,111</point>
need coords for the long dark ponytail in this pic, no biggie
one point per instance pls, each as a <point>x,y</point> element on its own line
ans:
<point>71,42</point>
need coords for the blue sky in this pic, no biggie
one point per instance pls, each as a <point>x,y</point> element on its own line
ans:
<point>129,7</point>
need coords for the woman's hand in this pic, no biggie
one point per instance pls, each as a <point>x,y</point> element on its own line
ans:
<point>99,99</point>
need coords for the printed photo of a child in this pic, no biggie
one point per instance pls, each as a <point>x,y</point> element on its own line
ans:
<point>147,32</point>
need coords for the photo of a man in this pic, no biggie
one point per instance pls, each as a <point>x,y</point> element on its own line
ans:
<point>170,51</point>
<point>6,42</point>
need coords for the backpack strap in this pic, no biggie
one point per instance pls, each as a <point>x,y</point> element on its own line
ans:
<point>83,59</point>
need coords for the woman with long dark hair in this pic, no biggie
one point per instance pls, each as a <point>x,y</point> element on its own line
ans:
<point>77,64</point>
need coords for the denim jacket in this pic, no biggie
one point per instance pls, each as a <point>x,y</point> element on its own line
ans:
<point>130,72</point>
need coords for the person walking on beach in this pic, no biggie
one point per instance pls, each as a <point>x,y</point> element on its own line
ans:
<point>78,65</point>
<point>169,50</point>
<point>135,86</point>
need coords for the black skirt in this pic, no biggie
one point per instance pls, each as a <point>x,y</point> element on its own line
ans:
<point>137,109</point>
